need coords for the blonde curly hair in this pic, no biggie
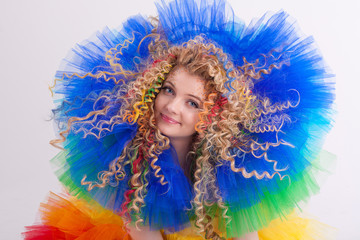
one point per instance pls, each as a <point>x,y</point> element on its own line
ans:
<point>231,112</point>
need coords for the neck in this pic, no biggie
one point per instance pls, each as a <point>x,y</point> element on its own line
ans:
<point>182,147</point>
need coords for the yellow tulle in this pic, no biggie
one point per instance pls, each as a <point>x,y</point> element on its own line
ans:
<point>296,228</point>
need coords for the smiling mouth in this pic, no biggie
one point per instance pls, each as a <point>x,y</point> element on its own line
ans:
<point>168,119</point>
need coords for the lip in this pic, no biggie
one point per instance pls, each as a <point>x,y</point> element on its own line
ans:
<point>168,119</point>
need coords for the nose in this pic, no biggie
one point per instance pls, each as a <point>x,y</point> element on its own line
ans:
<point>174,105</point>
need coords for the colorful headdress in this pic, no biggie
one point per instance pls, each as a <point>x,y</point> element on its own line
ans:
<point>293,113</point>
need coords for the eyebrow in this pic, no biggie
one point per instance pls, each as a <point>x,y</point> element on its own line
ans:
<point>191,95</point>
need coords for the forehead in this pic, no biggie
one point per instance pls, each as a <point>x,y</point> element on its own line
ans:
<point>186,82</point>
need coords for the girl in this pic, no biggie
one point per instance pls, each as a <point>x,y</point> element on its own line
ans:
<point>190,127</point>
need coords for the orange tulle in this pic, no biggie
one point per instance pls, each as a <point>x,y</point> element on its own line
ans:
<point>70,218</point>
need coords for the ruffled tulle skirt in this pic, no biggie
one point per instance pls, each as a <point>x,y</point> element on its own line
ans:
<point>66,217</point>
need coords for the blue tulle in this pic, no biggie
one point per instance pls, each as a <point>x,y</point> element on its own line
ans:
<point>76,96</point>
<point>273,39</point>
<point>166,205</point>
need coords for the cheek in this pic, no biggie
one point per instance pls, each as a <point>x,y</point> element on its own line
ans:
<point>194,119</point>
<point>157,105</point>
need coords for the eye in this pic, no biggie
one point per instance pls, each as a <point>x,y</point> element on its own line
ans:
<point>193,104</point>
<point>167,90</point>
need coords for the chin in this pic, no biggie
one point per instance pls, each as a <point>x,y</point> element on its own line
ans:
<point>175,134</point>
<point>165,131</point>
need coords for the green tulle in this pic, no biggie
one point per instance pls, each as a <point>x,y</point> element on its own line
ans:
<point>60,160</point>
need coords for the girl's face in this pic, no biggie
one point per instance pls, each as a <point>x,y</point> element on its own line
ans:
<point>178,104</point>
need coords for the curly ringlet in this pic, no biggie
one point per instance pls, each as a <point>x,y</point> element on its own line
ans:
<point>222,126</point>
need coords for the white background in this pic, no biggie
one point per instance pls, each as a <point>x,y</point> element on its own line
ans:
<point>35,35</point>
